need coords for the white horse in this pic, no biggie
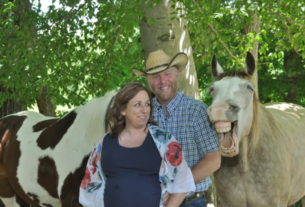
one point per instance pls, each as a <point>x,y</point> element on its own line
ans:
<point>262,146</point>
<point>43,159</point>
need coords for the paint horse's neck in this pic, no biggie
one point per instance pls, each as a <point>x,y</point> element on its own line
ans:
<point>92,116</point>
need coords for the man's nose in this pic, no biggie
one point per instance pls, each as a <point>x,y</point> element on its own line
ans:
<point>162,79</point>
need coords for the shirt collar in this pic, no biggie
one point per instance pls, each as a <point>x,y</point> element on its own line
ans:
<point>172,105</point>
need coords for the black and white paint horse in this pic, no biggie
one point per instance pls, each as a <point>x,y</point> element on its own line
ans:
<point>43,159</point>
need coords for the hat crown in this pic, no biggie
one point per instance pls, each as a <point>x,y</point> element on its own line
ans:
<point>158,61</point>
<point>157,58</point>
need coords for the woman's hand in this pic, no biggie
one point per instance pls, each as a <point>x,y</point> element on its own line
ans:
<point>165,198</point>
<point>176,199</point>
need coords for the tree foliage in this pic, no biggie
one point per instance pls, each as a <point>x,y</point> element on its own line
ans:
<point>217,28</point>
<point>66,50</point>
<point>84,48</point>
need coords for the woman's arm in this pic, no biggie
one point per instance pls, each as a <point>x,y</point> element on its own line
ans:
<point>176,199</point>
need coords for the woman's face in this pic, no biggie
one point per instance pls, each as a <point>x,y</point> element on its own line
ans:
<point>137,111</point>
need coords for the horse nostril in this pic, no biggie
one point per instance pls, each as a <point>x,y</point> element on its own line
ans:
<point>234,108</point>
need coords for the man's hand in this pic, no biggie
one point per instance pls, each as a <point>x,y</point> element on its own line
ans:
<point>165,198</point>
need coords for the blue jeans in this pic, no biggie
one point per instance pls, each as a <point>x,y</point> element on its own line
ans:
<point>199,202</point>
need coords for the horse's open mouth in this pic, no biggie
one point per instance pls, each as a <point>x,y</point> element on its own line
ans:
<point>228,139</point>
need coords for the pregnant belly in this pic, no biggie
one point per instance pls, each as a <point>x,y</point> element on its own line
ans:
<point>130,192</point>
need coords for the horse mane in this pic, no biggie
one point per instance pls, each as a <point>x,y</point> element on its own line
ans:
<point>254,132</point>
<point>234,73</point>
<point>93,115</point>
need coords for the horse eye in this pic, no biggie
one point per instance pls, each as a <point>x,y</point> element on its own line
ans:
<point>250,87</point>
<point>211,90</point>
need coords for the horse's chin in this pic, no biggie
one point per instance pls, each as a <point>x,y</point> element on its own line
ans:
<point>228,143</point>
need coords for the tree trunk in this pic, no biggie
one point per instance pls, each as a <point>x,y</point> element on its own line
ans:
<point>292,65</point>
<point>171,36</point>
<point>44,103</point>
<point>211,194</point>
<point>43,100</point>
<point>9,106</point>
<point>254,26</point>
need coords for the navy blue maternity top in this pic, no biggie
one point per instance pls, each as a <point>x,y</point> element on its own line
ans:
<point>132,173</point>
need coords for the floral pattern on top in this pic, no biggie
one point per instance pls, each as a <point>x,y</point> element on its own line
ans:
<point>174,175</point>
<point>160,135</point>
<point>174,153</point>
<point>86,179</point>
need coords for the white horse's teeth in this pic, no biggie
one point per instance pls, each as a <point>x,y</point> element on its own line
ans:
<point>223,129</point>
<point>229,151</point>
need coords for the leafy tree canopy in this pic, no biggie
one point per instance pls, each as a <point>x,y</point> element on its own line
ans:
<point>78,58</point>
<point>67,51</point>
<point>217,27</point>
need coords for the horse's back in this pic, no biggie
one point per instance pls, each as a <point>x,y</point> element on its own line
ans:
<point>290,109</point>
<point>288,124</point>
<point>288,117</point>
<point>10,126</point>
<point>290,121</point>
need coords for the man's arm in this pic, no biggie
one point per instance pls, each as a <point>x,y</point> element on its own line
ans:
<point>206,166</point>
<point>206,138</point>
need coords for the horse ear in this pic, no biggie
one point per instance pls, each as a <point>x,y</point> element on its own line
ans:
<point>216,68</point>
<point>250,64</point>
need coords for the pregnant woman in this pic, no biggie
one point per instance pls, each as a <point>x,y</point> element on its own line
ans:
<point>137,162</point>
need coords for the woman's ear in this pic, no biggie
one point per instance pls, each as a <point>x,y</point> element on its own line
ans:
<point>123,113</point>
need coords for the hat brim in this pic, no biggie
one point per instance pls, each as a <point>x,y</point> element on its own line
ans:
<point>179,61</point>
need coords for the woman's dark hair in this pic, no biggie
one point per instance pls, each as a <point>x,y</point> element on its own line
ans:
<point>115,120</point>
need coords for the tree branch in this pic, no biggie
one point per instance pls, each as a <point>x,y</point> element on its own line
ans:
<point>197,6</point>
<point>281,79</point>
<point>115,40</point>
<point>290,37</point>
<point>288,30</point>
<point>223,44</point>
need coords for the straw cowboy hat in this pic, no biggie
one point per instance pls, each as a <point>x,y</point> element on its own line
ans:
<point>158,61</point>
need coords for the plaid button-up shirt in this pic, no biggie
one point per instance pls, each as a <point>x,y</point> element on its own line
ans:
<point>190,125</point>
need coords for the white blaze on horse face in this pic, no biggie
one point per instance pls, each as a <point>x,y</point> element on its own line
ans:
<point>232,103</point>
<point>234,93</point>
<point>225,89</point>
